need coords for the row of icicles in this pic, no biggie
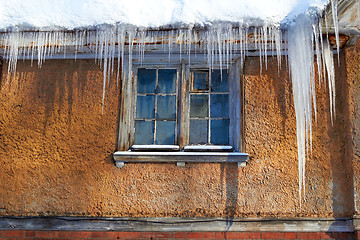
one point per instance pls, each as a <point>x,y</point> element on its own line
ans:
<point>219,44</point>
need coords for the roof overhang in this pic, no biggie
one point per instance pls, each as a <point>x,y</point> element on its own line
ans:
<point>348,20</point>
<point>80,44</point>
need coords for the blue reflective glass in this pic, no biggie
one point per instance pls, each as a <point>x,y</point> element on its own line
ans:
<point>167,81</point>
<point>165,132</point>
<point>198,131</point>
<point>166,107</point>
<point>200,81</point>
<point>219,84</point>
<point>145,107</point>
<point>146,80</point>
<point>199,107</point>
<point>219,106</point>
<point>144,132</point>
<point>220,131</point>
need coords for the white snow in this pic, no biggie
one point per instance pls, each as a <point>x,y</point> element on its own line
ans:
<point>72,14</point>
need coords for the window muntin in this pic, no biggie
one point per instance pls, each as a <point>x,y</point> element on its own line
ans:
<point>157,118</point>
<point>156,107</point>
<point>209,107</point>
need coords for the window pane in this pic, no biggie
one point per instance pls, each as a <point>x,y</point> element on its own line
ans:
<point>167,81</point>
<point>198,131</point>
<point>166,107</point>
<point>145,107</point>
<point>219,106</point>
<point>200,81</point>
<point>220,131</point>
<point>146,80</point>
<point>165,132</point>
<point>144,132</point>
<point>199,106</point>
<point>218,84</point>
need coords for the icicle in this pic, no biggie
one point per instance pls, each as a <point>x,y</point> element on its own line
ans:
<point>170,43</point>
<point>278,46</point>
<point>219,42</point>
<point>208,49</point>
<point>329,64</point>
<point>265,40</point>
<point>131,36</point>
<point>180,41</point>
<point>189,42</point>
<point>119,35</point>
<point>334,4</point>
<point>317,50</point>
<point>104,69</point>
<point>301,39</point>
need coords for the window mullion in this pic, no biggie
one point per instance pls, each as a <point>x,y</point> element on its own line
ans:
<point>184,106</point>
<point>156,97</point>
<point>178,107</point>
<point>209,108</point>
<point>133,108</point>
<point>235,114</point>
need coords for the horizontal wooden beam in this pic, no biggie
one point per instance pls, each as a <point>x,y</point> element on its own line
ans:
<point>122,157</point>
<point>168,224</point>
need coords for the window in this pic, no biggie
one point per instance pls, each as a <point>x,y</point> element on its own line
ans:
<point>180,114</point>
<point>156,107</point>
<point>209,107</point>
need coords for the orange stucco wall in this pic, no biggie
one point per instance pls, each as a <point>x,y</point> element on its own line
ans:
<point>352,71</point>
<point>56,150</point>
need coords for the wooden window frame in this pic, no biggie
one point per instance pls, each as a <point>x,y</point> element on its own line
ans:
<point>182,152</point>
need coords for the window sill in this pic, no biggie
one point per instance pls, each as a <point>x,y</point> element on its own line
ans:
<point>180,158</point>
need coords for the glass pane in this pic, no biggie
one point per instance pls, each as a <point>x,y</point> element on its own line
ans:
<point>165,132</point>
<point>219,84</point>
<point>146,80</point>
<point>167,81</point>
<point>200,81</point>
<point>220,131</point>
<point>144,132</point>
<point>198,131</point>
<point>145,107</point>
<point>219,106</point>
<point>166,107</point>
<point>199,106</point>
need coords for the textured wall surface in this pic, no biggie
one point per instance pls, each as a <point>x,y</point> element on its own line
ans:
<point>56,151</point>
<point>352,55</point>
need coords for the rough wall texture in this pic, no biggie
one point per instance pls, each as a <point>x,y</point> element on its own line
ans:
<point>352,55</point>
<point>56,151</point>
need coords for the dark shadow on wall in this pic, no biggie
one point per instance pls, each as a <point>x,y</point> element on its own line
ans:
<point>282,88</point>
<point>341,146</point>
<point>341,229</point>
<point>53,85</point>
<point>229,175</point>
<point>56,86</point>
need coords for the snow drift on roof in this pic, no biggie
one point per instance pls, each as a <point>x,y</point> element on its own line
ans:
<point>70,14</point>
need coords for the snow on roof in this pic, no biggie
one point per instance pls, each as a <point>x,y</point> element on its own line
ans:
<point>70,14</point>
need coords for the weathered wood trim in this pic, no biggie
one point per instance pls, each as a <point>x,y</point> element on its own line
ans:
<point>126,109</point>
<point>176,224</point>
<point>184,106</point>
<point>171,157</point>
<point>235,105</point>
